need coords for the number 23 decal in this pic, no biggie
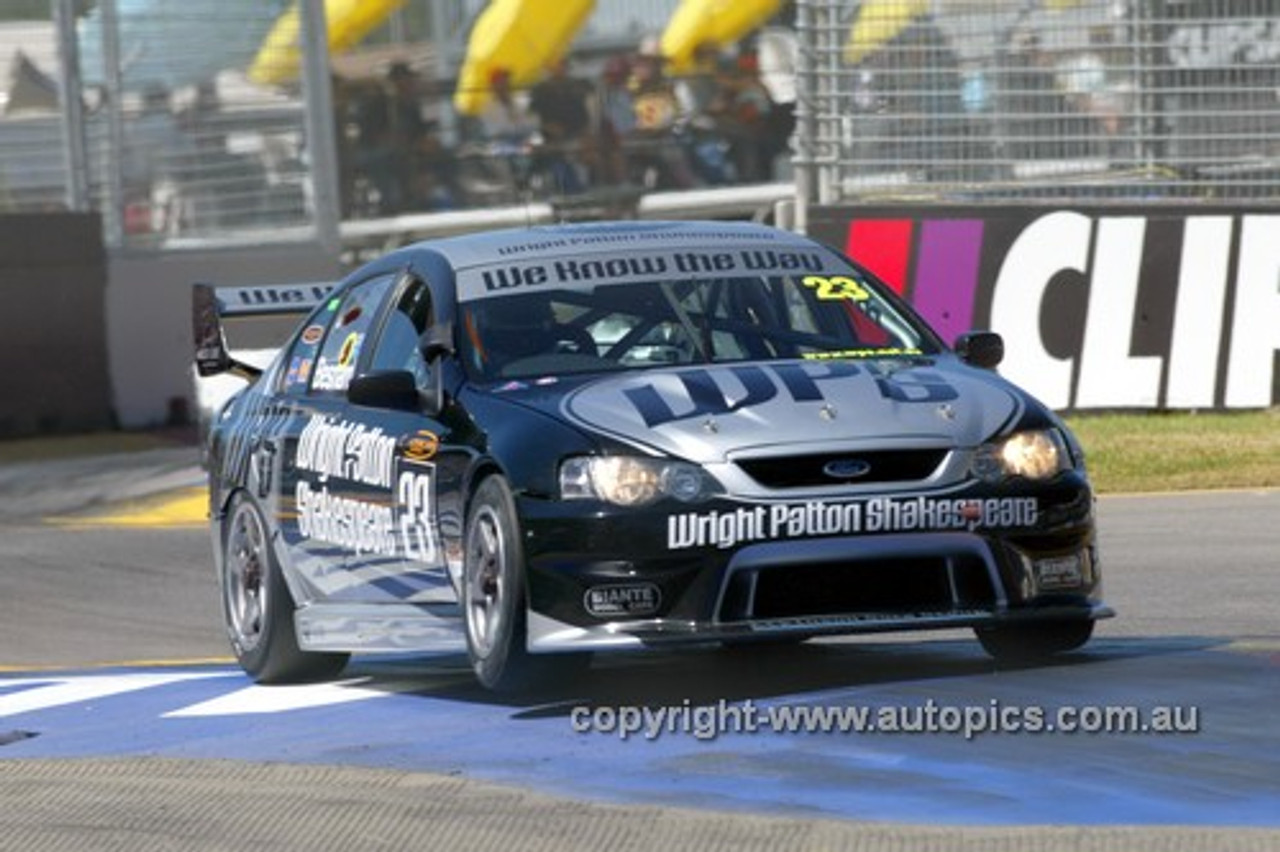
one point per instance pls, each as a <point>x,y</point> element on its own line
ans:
<point>415,504</point>
<point>836,288</point>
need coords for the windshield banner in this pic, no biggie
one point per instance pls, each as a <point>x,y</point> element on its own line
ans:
<point>578,271</point>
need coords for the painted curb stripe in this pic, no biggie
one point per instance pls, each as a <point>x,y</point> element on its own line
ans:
<point>181,508</point>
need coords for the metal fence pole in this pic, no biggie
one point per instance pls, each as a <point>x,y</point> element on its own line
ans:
<point>321,145</point>
<point>1152,92</point>
<point>806,157</point>
<point>71,102</point>
<point>443,49</point>
<point>826,81</point>
<point>114,201</point>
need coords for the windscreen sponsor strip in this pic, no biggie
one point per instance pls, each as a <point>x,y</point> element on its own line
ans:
<point>632,267</point>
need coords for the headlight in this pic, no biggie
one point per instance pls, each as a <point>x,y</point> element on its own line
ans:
<point>633,480</point>
<point>1034,455</point>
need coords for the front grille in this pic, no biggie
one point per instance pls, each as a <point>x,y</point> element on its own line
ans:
<point>902,586</point>
<point>810,470</point>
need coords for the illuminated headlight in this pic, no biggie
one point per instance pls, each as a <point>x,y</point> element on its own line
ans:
<point>1034,455</point>
<point>633,480</point>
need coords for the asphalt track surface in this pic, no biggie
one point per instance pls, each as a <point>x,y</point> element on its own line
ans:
<point>122,725</point>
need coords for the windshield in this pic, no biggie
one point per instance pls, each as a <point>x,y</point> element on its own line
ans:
<point>557,331</point>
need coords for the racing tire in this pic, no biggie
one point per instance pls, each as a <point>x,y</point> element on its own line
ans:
<point>1034,641</point>
<point>495,600</point>
<point>257,608</point>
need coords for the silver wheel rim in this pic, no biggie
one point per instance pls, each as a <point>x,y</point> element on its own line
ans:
<point>486,584</point>
<point>244,579</point>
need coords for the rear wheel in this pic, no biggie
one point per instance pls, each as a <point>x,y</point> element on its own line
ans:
<point>1034,640</point>
<point>257,607</point>
<point>494,599</point>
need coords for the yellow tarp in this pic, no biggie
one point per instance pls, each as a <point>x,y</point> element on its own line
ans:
<point>349,21</point>
<point>718,22</point>
<point>523,37</point>
<point>879,21</point>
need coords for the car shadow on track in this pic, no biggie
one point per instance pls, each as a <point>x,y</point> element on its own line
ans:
<point>707,675</point>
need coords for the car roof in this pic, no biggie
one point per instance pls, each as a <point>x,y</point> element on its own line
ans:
<point>552,241</point>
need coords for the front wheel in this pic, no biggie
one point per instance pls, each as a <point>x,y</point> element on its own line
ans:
<point>494,598</point>
<point>257,607</point>
<point>1035,640</point>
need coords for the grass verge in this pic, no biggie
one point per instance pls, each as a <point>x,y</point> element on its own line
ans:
<point>1126,452</point>
<point>1181,451</point>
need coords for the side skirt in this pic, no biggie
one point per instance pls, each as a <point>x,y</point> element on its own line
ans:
<point>382,628</point>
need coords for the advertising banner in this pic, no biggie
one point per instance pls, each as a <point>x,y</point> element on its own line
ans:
<point>1101,307</point>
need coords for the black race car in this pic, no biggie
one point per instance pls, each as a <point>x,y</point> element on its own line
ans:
<point>547,442</point>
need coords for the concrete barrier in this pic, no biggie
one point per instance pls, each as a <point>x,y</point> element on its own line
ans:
<point>148,317</point>
<point>53,352</point>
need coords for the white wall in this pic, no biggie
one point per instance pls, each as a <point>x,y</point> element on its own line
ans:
<point>148,315</point>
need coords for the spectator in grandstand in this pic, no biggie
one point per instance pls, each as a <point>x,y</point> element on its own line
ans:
<point>697,89</point>
<point>405,106</point>
<point>1093,84</point>
<point>416,143</point>
<point>156,153</point>
<point>493,158</point>
<point>378,160</point>
<point>617,119</point>
<point>213,187</point>
<point>200,119</point>
<point>1029,96</point>
<point>654,144</point>
<point>154,144</point>
<point>505,119</point>
<point>345,133</point>
<point>742,111</point>
<point>398,151</point>
<point>916,79</point>
<point>564,120</point>
<point>434,170</point>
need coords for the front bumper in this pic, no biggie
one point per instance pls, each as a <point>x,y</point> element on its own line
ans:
<point>611,580</point>
<point>546,635</point>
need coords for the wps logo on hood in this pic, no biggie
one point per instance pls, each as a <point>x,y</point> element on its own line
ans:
<point>704,413</point>
<point>707,392</point>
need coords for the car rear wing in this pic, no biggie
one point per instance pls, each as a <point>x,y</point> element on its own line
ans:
<point>210,304</point>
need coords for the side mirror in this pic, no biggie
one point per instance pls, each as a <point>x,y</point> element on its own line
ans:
<point>980,348</point>
<point>395,389</point>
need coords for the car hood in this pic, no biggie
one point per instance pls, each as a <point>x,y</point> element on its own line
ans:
<point>706,413</point>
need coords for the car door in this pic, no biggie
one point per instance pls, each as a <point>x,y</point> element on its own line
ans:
<point>324,454</point>
<point>416,460</point>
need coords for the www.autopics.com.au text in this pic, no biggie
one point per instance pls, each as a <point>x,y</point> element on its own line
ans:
<point>970,721</point>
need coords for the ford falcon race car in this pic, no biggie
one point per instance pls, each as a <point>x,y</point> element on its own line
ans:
<point>541,443</point>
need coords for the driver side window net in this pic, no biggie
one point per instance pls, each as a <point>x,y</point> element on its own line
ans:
<point>400,344</point>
